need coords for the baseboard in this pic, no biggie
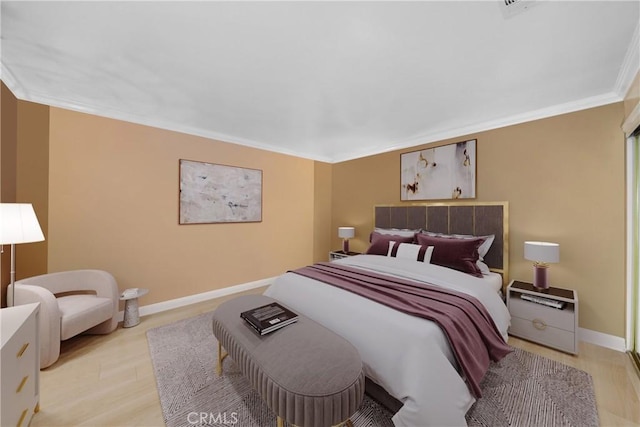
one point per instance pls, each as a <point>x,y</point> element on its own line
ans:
<point>598,338</point>
<point>603,340</point>
<point>193,299</point>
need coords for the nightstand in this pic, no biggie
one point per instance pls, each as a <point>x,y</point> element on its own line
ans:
<point>334,255</point>
<point>540,323</point>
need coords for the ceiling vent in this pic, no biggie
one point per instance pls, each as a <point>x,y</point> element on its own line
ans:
<point>513,7</point>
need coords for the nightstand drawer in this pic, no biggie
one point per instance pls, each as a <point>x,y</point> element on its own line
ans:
<point>561,319</point>
<point>537,331</point>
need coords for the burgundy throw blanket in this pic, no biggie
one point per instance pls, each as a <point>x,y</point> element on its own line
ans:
<point>473,335</point>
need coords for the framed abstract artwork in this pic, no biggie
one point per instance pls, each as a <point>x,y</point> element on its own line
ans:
<point>213,193</point>
<point>439,173</point>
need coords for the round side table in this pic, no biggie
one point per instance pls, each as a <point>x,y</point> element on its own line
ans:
<point>131,313</point>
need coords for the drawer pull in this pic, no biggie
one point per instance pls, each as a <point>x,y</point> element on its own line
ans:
<point>22,350</point>
<point>22,383</point>
<point>22,417</point>
<point>539,324</point>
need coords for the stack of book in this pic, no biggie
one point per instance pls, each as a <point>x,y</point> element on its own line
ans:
<point>269,318</point>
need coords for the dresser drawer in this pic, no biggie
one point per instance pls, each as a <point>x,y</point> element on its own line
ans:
<point>20,364</point>
<point>538,332</point>
<point>18,399</point>
<point>23,408</point>
<point>24,387</point>
<point>561,319</point>
<point>20,345</point>
<point>20,417</point>
<point>23,363</point>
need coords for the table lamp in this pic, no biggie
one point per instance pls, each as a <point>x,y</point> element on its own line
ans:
<point>18,224</point>
<point>346,233</point>
<point>541,253</point>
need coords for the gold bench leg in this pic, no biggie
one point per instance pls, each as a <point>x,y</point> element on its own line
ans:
<point>280,422</point>
<point>220,358</point>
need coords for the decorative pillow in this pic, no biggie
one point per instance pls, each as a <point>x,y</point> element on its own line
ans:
<point>380,242</point>
<point>410,251</point>
<point>404,232</point>
<point>482,249</point>
<point>459,254</point>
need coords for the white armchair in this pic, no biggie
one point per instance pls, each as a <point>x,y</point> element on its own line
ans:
<point>71,302</point>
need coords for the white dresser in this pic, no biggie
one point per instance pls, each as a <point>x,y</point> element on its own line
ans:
<point>19,364</point>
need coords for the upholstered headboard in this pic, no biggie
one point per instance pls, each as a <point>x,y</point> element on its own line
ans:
<point>477,218</point>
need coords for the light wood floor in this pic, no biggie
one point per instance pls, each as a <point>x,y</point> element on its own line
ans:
<point>108,380</point>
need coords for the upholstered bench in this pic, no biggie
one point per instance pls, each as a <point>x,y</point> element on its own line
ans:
<point>307,375</point>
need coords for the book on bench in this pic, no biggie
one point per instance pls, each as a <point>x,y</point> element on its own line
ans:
<point>269,317</point>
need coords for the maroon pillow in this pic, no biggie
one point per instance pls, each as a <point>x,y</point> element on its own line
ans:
<point>459,254</point>
<point>380,242</point>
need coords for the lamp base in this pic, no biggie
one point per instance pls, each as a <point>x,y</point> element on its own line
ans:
<point>345,246</point>
<point>540,276</point>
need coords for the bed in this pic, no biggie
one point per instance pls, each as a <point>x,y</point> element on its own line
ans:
<point>410,357</point>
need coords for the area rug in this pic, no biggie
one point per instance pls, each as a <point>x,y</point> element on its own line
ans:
<point>523,389</point>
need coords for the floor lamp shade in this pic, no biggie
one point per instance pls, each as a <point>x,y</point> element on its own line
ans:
<point>18,224</point>
<point>541,253</point>
<point>346,233</point>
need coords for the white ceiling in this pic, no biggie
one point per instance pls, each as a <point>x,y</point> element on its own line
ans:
<point>329,81</point>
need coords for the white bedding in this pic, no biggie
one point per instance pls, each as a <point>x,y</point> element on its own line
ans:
<point>494,280</point>
<point>409,356</point>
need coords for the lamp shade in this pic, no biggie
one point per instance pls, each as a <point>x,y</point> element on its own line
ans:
<point>346,232</point>
<point>19,224</point>
<point>542,251</point>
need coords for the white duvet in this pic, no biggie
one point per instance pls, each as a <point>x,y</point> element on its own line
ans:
<point>409,356</point>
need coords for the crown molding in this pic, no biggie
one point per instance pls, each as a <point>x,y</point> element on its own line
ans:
<point>10,81</point>
<point>440,135</point>
<point>630,65</point>
<point>156,123</point>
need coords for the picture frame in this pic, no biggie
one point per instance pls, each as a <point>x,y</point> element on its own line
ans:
<point>445,172</point>
<point>213,193</point>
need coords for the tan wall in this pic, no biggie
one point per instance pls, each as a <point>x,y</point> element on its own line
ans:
<point>24,177</point>
<point>113,205</point>
<point>32,177</point>
<point>9,145</point>
<point>564,180</point>
<point>322,212</point>
<point>8,160</point>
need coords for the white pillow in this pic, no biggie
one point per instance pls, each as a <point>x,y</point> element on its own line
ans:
<point>404,232</point>
<point>484,268</point>
<point>410,251</point>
